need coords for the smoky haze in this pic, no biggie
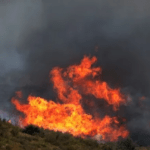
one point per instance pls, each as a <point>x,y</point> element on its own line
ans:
<point>38,35</point>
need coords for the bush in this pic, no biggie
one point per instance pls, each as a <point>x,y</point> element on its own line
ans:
<point>15,131</point>
<point>41,133</point>
<point>63,136</point>
<point>67,147</point>
<point>9,147</point>
<point>91,143</point>
<point>106,147</point>
<point>31,129</point>
<point>4,133</point>
<point>126,145</point>
<point>51,138</point>
<point>4,120</point>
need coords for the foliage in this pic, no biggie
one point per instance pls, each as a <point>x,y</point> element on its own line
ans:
<point>35,138</point>
<point>15,131</point>
<point>126,144</point>
<point>31,129</point>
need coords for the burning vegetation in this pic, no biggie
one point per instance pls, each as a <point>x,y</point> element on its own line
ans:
<point>35,138</point>
<point>67,114</point>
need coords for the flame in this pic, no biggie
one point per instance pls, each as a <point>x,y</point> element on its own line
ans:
<point>142,98</point>
<point>69,116</point>
<point>9,121</point>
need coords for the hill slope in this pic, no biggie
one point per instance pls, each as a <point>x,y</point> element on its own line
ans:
<point>34,138</point>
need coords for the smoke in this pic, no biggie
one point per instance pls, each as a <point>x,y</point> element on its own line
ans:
<point>38,35</point>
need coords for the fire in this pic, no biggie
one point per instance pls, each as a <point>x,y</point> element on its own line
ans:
<point>9,121</point>
<point>140,102</point>
<point>142,98</point>
<point>71,85</point>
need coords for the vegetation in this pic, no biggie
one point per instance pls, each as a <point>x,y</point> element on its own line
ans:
<point>35,138</point>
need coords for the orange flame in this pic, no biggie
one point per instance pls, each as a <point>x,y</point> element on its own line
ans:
<point>9,121</point>
<point>70,116</point>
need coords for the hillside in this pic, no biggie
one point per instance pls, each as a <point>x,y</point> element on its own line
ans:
<point>34,138</point>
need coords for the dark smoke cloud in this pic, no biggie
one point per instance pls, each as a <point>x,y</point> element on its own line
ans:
<point>38,35</point>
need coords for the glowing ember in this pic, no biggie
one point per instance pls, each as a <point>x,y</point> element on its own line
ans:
<point>9,121</point>
<point>70,116</point>
<point>19,94</point>
<point>142,98</point>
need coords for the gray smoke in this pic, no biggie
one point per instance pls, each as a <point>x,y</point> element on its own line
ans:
<point>38,35</point>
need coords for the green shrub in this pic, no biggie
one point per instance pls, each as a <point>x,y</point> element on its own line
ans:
<point>106,147</point>
<point>126,144</point>
<point>15,131</point>
<point>9,147</point>
<point>51,138</point>
<point>5,133</point>
<point>63,136</point>
<point>56,148</point>
<point>31,129</point>
<point>91,143</point>
<point>4,120</point>
<point>67,147</point>
<point>41,133</point>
